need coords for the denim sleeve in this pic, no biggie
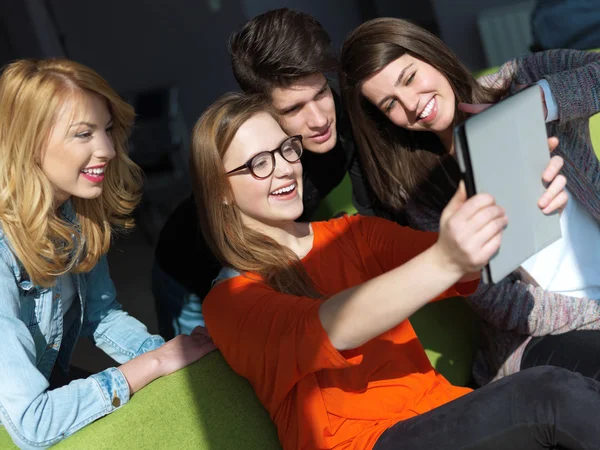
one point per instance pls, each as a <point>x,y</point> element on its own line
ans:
<point>34,416</point>
<point>119,335</point>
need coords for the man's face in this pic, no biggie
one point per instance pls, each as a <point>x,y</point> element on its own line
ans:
<point>307,108</point>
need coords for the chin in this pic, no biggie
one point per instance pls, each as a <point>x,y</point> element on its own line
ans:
<point>89,195</point>
<point>293,213</point>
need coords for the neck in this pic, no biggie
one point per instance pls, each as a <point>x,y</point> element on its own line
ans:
<point>447,139</point>
<point>59,198</point>
<point>297,236</point>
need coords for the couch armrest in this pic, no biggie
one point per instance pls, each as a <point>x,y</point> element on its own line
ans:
<point>204,406</point>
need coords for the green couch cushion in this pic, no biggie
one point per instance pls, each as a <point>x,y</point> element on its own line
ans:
<point>338,201</point>
<point>6,442</point>
<point>449,331</point>
<point>204,406</point>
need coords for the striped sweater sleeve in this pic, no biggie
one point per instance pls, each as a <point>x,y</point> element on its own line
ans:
<point>513,305</point>
<point>573,76</point>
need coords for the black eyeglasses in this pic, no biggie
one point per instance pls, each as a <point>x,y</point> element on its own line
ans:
<point>262,165</point>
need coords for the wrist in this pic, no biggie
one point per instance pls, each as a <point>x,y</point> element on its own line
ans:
<point>155,364</point>
<point>445,264</point>
<point>141,370</point>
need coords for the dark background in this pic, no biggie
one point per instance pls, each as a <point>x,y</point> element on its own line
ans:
<point>169,59</point>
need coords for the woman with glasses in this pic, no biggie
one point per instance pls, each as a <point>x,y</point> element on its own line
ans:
<point>315,315</point>
<point>262,164</point>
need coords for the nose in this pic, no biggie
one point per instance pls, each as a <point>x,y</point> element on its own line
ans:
<point>105,150</point>
<point>316,118</point>
<point>409,99</point>
<point>283,168</point>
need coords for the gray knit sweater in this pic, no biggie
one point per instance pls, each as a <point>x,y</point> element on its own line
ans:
<point>514,310</point>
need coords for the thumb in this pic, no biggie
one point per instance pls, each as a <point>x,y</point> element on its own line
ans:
<point>473,109</point>
<point>459,198</point>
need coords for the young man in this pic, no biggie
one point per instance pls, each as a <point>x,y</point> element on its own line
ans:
<point>282,55</point>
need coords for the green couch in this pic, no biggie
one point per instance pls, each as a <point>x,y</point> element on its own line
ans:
<point>208,407</point>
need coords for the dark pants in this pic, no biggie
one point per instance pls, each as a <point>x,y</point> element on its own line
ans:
<point>178,310</point>
<point>578,351</point>
<point>543,407</point>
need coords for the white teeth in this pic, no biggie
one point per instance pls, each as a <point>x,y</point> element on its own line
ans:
<point>96,171</point>
<point>427,109</point>
<point>284,190</point>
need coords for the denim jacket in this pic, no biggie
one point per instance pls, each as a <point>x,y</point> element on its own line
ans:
<point>32,342</point>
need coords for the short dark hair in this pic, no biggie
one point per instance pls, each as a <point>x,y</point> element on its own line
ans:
<point>277,48</point>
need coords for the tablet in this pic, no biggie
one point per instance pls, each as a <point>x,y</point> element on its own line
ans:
<point>503,151</point>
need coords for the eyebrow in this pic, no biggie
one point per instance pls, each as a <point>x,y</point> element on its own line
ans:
<point>398,81</point>
<point>90,125</point>
<point>295,105</point>
<point>266,151</point>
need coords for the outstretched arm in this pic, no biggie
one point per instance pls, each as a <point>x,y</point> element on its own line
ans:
<point>470,233</point>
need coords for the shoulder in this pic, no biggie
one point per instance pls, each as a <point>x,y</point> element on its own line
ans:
<point>233,298</point>
<point>8,258</point>
<point>336,226</point>
<point>356,224</point>
<point>225,274</point>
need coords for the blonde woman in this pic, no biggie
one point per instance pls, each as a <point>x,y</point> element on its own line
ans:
<point>66,185</point>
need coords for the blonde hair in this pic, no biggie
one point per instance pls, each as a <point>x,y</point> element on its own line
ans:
<point>32,92</point>
<point>232,242</point>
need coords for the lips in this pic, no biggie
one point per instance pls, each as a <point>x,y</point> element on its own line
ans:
<point>285,193</point>
<point>429,112</point>
<point>94,174</point>
<point>323,137</point>
<point>284,190</point>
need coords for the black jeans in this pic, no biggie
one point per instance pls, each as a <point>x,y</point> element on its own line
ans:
<point>544,407</point>
<point>577,351</point>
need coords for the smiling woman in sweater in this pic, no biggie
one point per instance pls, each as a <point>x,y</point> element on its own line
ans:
<point>405,91</point>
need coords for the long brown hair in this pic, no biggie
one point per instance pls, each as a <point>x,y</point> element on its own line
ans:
<point>233,243</point>
<point>400,163</point>
<point>32,93</point>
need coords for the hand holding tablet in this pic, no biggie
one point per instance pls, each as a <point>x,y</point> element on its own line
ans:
<point>503,151</point>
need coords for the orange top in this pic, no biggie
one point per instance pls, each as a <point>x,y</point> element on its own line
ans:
<point>319,397</point>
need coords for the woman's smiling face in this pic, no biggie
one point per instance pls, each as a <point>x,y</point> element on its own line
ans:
<point>271,200</point>
<point>413,95</point>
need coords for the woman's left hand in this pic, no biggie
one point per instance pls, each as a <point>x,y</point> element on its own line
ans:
<point>555,198</point>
